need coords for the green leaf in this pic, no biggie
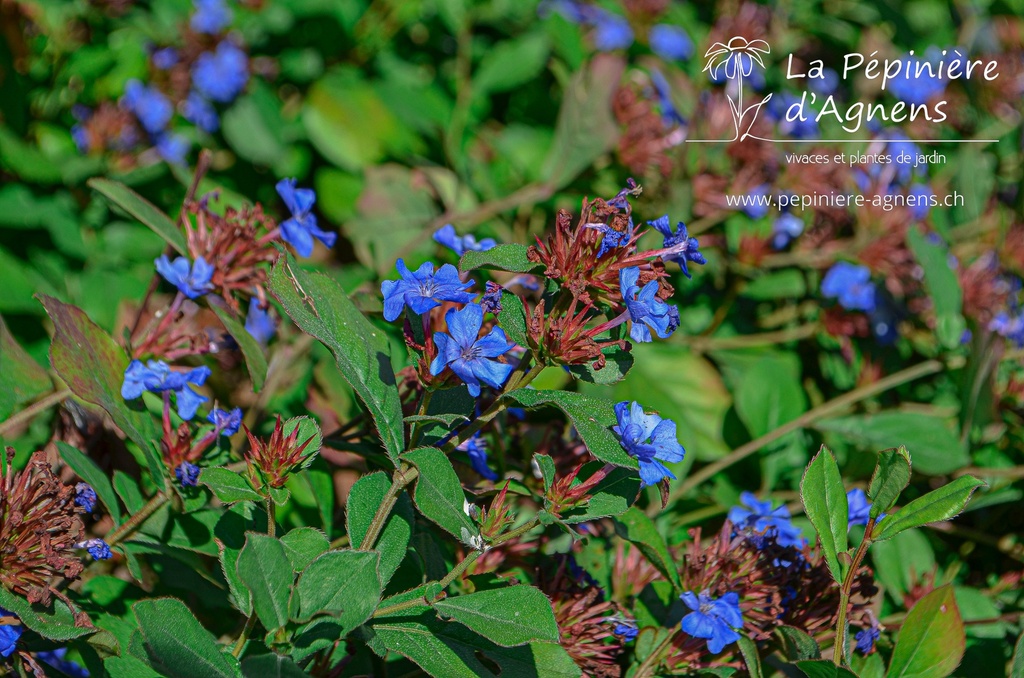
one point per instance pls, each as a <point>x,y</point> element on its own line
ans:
<point>88,471</point>
<point>143,210</point>
<point>1017,668</point>
<point>796,644</point>
<point>56,622</point>
<point>751,658</point>
<point>453,651</point>
<point>21,377</point>
<point>635,527</point>
<point>508,257</point>
<point>177,644</point>
<point>93,366</point>
<point>321,308</point>
<point>511,63</point>
<point>934,445</point>
<point>264,568</point>
<point>253,126</point>
<point>512,318</point>
<point>821,668</point>
<point>931,641</point>
<point>438,493</point>
<point>229,535</point>
<point>942,284</point>
<point>271,666</point>
<point>618,362</point>
<point>824,499</point>
<point>515,615</point>
<point>344,584</point>
<point>255,359</point>
<point>938,505</point>
<point>229,486</point>
<point>366,496</point>
<point>586,128</point>
<point>592,417</point>
<point>303,545</point>
<point>612,496</point>
<point>891,476</point>
<point>768,397</point>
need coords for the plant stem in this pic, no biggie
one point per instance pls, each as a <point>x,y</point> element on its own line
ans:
<point>340,542</point>
<point>518,532</point>
<point>806,419</point>
<point>271,517</point>
<point>414,432</point>
<point>654,659</point>
<point>135,522</point>
<point>32,410</point>
<point>404,475</point>
<point>455,573</point>
<point>250,623</point>
<point>839,645</point>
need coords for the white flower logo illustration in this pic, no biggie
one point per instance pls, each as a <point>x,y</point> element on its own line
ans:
<point>736,60</point>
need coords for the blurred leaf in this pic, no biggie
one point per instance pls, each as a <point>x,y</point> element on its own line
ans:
<point>438,494</point>
<point>768,397</point>
<point>21,377</point>
<point>271,666</point>
<point>511,63</point>
<point>976,606</point>
<point>942,284</point>
<point>264,567</point>
<point>1017,669</point>
<point>88,471</point>
<point>177,644</point>
<point>779,285</point>
<point>592,417</point>
<point>635,527</point>
<point>143,210</point>
<point>586,128</point>
<point>821,668</point>
<point>321,308</point>
<point>344,584</point>
<point>506,257</point>
<point>891,476</point>
<point>796,644</point>
<point>363,500</point>
<point>396,204</point>
<point>253,126</point>
<point>901,563</point>
<point>510,616</point>
<point>230,487</point>
<point>92,366</point>
<point>931,640</point>
<point>938,505</point>
<point>824,500</point>
<point>933,445</point>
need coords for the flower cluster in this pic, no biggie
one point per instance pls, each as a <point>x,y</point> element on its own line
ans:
<point>271,461</point>
<point>208,68</point>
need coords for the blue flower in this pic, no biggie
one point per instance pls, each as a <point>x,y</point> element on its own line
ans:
<point>9,634</point>
<point>85,497</point>
<point>55,658</point>
<point>670,42</point>
<point>172,147</point>
<point>226,422</point>
<point>611,31</point>
<point>785,229</point>
<point>757,202</point>
<point>198,110</point>
<point>98,549</point>
<point>650,439</point>
<point>471,358</point>
<point>193,281</point>
<point>759,516</point>
<point>797,128</point>
<point>468,243</point>
<point>851,285</point>
<point>916,90</point>
<point>682,247</point>
<point>476,449</point>
<point>221,75</point>
<point>150,106</point>
<point>187,474</point>
<point>669,113</point>
<point>491,300</point>
<point>259,323</point>
<point>645,309</point>
<point>423,289</point>
<point>626,629</point>
<point>922,194</point>
<point>301,228</point>
<point>715,619</point>
<point>156,376</point>
<point>1009,326</point>
<point>826,84</point>
<point>866,639</point>
<point>859,508</point>
<point>165,58</point>
<point>611,237</point>
<point>211,16</point>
